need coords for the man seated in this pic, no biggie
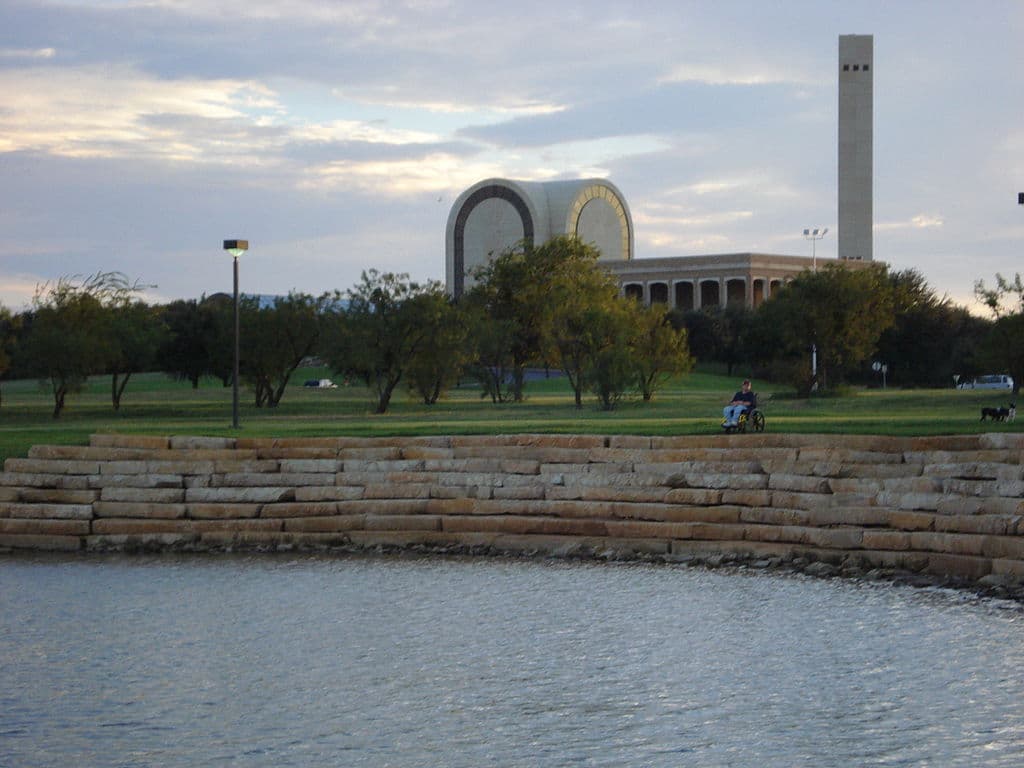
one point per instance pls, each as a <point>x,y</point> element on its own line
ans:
<point>744,400</point>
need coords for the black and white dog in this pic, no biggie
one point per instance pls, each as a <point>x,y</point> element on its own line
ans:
<point>1000,414</point>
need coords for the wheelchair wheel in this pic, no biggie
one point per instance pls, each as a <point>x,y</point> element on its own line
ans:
<point>757,421</point>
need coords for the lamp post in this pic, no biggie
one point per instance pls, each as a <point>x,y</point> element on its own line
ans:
<point>814,235</point>
<point>236,248</point>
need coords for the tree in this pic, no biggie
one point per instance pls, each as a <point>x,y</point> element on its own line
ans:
<point>70,333</point>
<point>136,334</point>
<point>277,338</point>
<point>659,350</point>
<point>436,364</point>
<point>611,368</point>
<point>839,310</point>
<point>379,334</point>
<point>1004,346</point>
<point>10,327</point>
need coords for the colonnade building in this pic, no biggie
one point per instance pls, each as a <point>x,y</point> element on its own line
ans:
<point>496,215</point>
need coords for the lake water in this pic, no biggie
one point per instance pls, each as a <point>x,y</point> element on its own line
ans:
<point>402,661</point>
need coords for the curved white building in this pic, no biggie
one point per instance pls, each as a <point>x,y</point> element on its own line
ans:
<point>495,215</point>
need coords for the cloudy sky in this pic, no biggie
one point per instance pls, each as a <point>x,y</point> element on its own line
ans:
<point>136,135</point>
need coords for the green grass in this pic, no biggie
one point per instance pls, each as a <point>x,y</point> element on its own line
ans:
<point>154,404</point>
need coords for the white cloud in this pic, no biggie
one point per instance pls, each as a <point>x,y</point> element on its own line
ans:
<point>27,53</point>
<point>920,221</point>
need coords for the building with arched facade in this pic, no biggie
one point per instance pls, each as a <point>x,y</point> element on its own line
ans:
<point>496,215</point>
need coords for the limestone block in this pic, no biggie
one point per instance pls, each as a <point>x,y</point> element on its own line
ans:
<point>462,465</point>
<point>115,526</point>
<point>747,498</point>
<point>1012,568</point>
<point>9,493</point>
<point>679,513</point>
<point>774,516</point>
<point>694,496</point>
<point>519,466</point>
<point>952,457</point>
<point>262,495</point>
<point>124,467</point>
<point>875,471</point>
<point>52,466</point>
<point>83,452</point>
<point>147,510</point>
<point>415,452</point>
<point>469,478</point>
<point>140,541</point>
<point>950,543</point>
<point>329,493</point>
<point>300,509</point>
<point>246,525</point>
<point>583,442</point>
<point>975,470</point>
<point>860,516</point>
<point>924,501</point>
<point>255,480</point>
<point>912,485</point>
<point>958,565</point>
<point>860,485</point>
<point>716,531</point>
<point>45,527</point>
<point>835,538</point>
<point>188,442</point>
<point>465,492</point>
<point>245,466</point>
<point>642,495</point>
<point>153,495</point>
<point>997,525</point>
<point>1013,441</point>
<point>203,454</point>
<point>618,455</point>
<point>518,492</point>
<point>129,441</point>
<point>903,560</point>
<point>45,511</point>
<point>373,453</point>
<point>140,480</point>
<point>720,481</point>
<point>57,496</point>
<point>273,453</point>
<point>41,542</point>
<point>241,539</point>
<point>404,522</point>
<point>403,491</point>
<point>958,505</point>
<point>311,466</point>
<point>1010,488</point>
<point>567,492</point>
<point>795,500</point>
<point>1003,547</point>
<point>463,506</point>
<point>518,525</point>
<point>181,467</point>
<point>959,488</point>
<point>911,521</point>
<point>401,465</point>
<point>897,540</point>
<point>198,481</point>
<point>325,524</point>
<point>629,441</point>
<point>793,534</point>
<point>850,456</point>
<point>647,529</point>
<point>383,507</point>
<point>398,539</point>
<point>222,511</point>
<point>799,483</point>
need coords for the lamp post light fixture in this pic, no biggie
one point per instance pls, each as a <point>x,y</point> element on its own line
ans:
<point>236,248</point>
<point>814,235</point>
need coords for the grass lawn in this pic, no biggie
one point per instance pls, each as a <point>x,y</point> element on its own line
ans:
<point>154,404</point>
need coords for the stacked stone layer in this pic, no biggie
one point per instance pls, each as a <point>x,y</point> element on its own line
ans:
<point>941,505</point>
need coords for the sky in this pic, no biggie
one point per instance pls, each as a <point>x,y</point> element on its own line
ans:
<point>137,135</point>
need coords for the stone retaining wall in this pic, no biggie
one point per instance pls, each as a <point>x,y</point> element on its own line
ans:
<point>949,506</point>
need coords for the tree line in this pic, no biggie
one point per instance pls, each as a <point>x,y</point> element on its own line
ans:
<point>549,306</point>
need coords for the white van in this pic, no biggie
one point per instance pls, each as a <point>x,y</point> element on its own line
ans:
<point>988,381</point>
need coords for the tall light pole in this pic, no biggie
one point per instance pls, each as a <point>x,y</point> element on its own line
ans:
<point>236,248</point>
<point>814,235</point>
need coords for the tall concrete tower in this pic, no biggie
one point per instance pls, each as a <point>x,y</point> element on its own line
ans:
<point>856,136</point>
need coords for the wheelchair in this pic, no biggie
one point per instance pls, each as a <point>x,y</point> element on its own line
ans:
<point>751,419</point>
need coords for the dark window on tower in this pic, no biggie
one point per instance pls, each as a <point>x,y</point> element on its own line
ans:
<point>865,67</point>
<point>856,67</point>
<point>846,67</point>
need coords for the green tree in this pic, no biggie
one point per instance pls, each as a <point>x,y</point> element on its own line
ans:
<point>10,328</point>
<point>438,361</point>
<point>136,333</point>
<point>611,368</point>
<point>659,350</point>
<point>70,334</point>
<point>1004,346</point>
<point>379,333</point>
<point>276,340</point>
<point>840,310</point>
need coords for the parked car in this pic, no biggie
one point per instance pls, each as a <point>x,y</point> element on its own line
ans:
<point>988,381</point>
<point>320,384</point>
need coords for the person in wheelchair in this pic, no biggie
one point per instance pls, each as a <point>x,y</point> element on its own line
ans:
<point>743,401</point>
